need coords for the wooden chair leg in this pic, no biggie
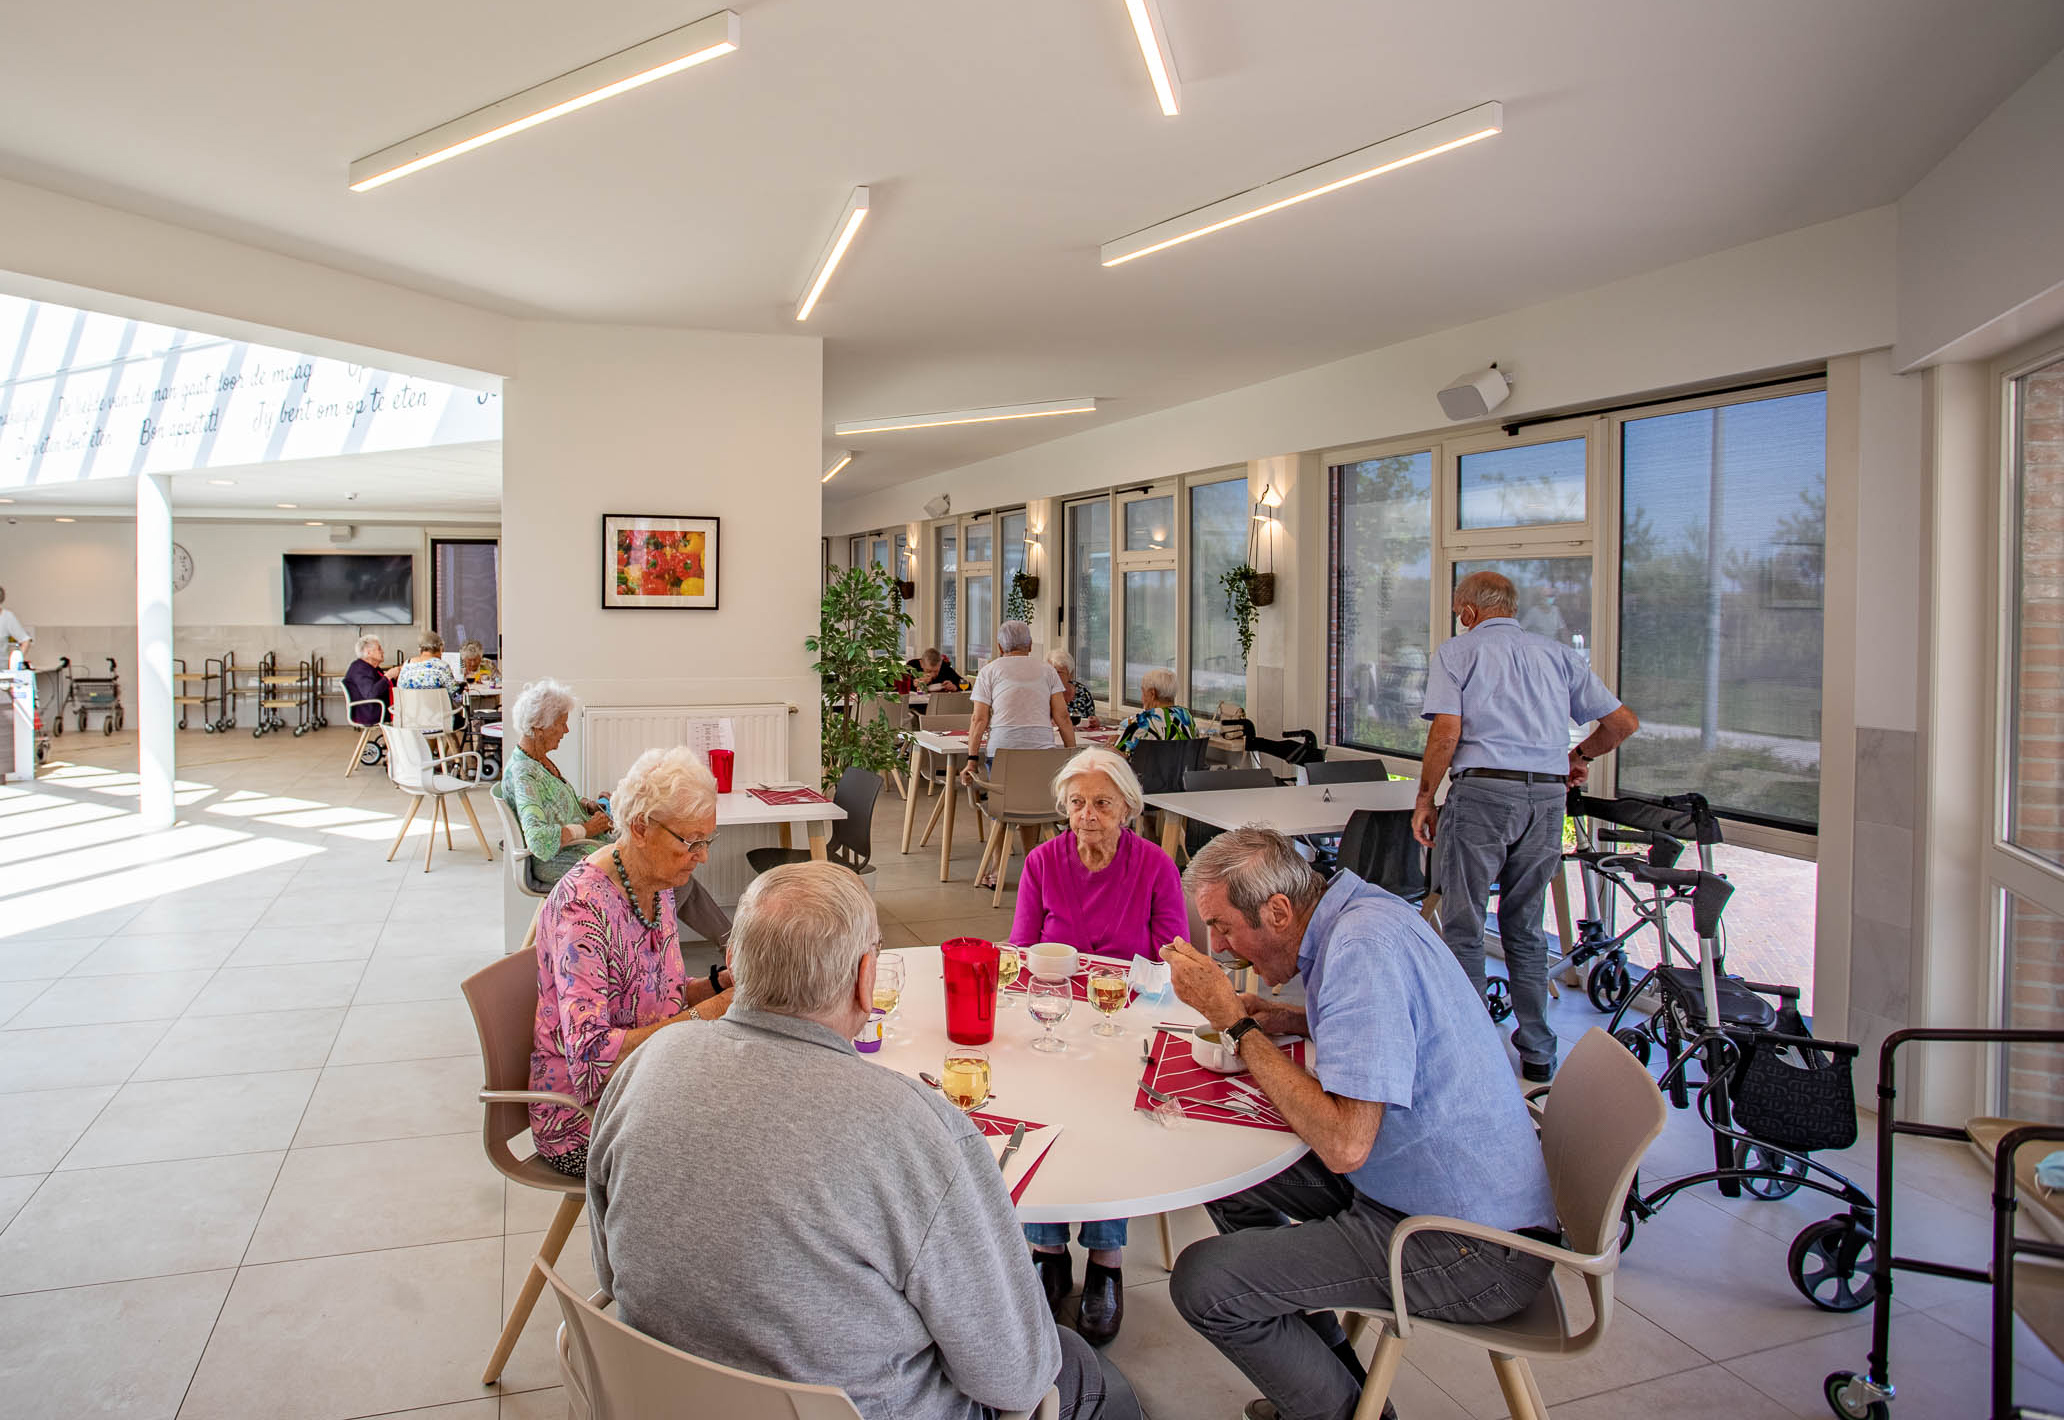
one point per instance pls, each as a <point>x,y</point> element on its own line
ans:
<point>430,840</point>
<point>1390,1353</point>
<point>413,804</point>
<point>1516,1385</point>
<point>533,1284</point>
<point>444,812</point>
<point>466,804</point>
<point>358,749</point>
<point>1004,838</point>
<point>988,851</point>
<point>1167,1242</point>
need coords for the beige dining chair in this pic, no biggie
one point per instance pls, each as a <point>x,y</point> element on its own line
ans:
<point>428,709</point>
<point>422,775</point>
<point>951,702</point>
<point>503,998</point>
<point>1017,794</point>
<point>614,1372</point>
<point>1599,1119</point>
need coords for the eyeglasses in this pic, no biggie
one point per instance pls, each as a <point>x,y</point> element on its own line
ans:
<point>691,844</point>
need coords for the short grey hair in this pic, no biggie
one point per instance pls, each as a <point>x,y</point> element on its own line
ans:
<point>1161,681</point>
<point>541,702</point>
<point>430,641</point>
<point>1254,864</point>
<point>367,640</point>
<point>1112,766</point>
<point>473,648</point>
<point>1491,593</point>
<point>1062,662</point>
<point>1013,636</point>
<point>799,935</point>
<point>673,780</point>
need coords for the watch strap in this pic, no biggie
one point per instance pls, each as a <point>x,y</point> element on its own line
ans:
<point>1238,1029</point>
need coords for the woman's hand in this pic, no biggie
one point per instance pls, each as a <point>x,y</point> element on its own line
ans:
<point>597,824</point>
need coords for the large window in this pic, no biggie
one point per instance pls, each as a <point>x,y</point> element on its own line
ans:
<point>465,592</point>
<point>2035,631</point>
<point>1526,485</point>
<point>1723,530</point>
<point>1219,520</point>
<point>946,559</point>
<point>1010,551</point>
<point>1383,590</point>
<point>1088,607</point>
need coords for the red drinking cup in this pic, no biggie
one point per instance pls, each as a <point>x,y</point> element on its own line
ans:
<point>720,766</point>
<point>970,990</point>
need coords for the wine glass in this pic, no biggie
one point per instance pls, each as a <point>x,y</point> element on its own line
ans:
<point>1108,989</point>
<point>1050,1002</point>
<point>964,1078</point>
<point>1008,964</point>
<point>888,986</point>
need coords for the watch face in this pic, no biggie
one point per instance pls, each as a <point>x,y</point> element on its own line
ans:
<point>182,567</point>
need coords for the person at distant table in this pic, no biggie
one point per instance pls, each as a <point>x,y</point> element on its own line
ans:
<point>368,684</point>
<point>1162,718</point>
<point>474,666</point>
<point>1081,704</point>
<point>932,671</point>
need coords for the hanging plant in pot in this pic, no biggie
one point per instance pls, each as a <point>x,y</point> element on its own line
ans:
<point>1246,592</point>
<point>1025,584</point>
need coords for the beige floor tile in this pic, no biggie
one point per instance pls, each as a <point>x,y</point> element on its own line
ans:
<point>1709,1393</point>
<point>896,936</point>
<point>151,1120</point>
<point>1941,1374</point>
<point>43,959</point>
<point>456,932</point>
<point>487,1409</point>
<point>41,1125</point>
<point>237,1045</point>
<point>397,1193</point>
<point>232,915</point>
<point>16,994</point>
<point>294,946</point>
<point>536,1405</point>
<point>57,1363</point>
<point>101,1000</point>
<point>420,978</point>
<point>16,1191</point>
<point>346,1336</point>
<point>74,1055</point>
<point>236,991</point>
<point>88,1226</point>
<point>995,926</point>
<point>1971,1315</point>
<point>535,1363</point>
<point>406,1099</point>
<point>320,909</point>
<point>86,923</point>
<point>929,904</point>
<point>167,951</point>
<point>406,1030</point>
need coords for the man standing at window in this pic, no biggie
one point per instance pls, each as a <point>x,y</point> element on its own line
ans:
<point>1502,700</point>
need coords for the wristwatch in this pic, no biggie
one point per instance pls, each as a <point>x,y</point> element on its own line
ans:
<point>1239,1028</point>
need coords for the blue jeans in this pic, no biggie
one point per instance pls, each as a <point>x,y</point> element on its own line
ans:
<point>1104,1232</point>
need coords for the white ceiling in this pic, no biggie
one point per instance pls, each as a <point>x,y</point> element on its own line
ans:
<point>459,479</point>
<point>1003,142</point>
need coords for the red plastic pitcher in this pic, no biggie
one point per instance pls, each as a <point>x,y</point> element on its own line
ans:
<point>970,990</point>
<point>720,767</point>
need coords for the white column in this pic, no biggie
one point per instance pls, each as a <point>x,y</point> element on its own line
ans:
<point>153,673</point>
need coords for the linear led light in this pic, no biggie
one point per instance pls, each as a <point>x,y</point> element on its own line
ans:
<point>834,251</point>
<point>1460,130</point>
<point>966,416</point>
<point>625,70</point>
<point>1152,33</point>
<point>840,461</point>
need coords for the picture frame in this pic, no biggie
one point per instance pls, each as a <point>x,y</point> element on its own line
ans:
<point>660,562</point>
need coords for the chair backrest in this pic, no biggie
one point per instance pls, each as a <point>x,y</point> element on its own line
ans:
<point>930,721</point>
<point>503,996</point>
<point>613,1372</point>
<point>408,757</point>
<point>1346,771</point>
<point>852,838</point>
<point>1023,780</point>
<point>1161,764</point>
<point>1377,846</point>
<point>513,847</point>
<point>1601,1116</point>
<point>1206,781</point>
<point>951,702</point>
<point>420,707</point>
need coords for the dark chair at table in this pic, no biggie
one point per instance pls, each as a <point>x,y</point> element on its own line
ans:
<point>1211,781</point>
<point>1346,771</point>
<point>852,837</point>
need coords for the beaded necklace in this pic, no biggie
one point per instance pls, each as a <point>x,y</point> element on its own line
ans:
<point>616,857</point>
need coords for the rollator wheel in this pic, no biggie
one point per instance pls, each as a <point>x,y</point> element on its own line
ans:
<point>107,724</point>
<point>1498,998</point>
<point>1837,1387</point>
<point>1756,1156</point>
<point>1830,1263</point>
<point>1608,983</point>
<point>1636,1043</point>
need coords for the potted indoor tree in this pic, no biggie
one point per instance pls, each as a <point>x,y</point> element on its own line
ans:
<point>859,659</point>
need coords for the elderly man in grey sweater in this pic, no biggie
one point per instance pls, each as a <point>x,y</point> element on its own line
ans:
<point>763,1197</point>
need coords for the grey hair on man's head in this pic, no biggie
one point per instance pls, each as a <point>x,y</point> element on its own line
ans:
<point>365,642</point>
<point>1013,636</point>
<point>1161,681</point>
<point>541,702</point>
<point>1062,662</point>
<point>671,781</point>
<point>798,938</point>
<point>1491,593</point>
<point>1254,864</point>
<point>1112,766</point>
<point>930,657</point>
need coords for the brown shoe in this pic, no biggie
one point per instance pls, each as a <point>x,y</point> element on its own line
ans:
<point>1103,1305</point>
<point>1056,1277</point>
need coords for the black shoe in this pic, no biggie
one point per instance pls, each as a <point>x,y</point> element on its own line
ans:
<point>1103,1305</point>
<point>1537,1072</point>
<point>1056,1276</point>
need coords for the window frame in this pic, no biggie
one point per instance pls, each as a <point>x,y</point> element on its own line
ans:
<point>494,542</point>
<point>1185,514</point>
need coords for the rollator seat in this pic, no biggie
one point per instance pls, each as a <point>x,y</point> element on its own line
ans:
<point>1739,1006</point>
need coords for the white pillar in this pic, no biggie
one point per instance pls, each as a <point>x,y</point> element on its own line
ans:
<point>153,671</point>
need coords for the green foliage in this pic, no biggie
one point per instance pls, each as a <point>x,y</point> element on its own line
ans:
<point>1016,606</point>
<point>859,658</point>
<point>1239,592</point>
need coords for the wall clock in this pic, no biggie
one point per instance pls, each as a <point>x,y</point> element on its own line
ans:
<point>182,567</point>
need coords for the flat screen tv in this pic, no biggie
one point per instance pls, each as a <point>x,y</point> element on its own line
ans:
<point>349,588</point>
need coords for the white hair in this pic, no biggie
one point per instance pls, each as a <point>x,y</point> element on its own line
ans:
<point>367,640</point>
<point>1254,864</point>
<point>1013,636</point>
<point>473,648</point>
<point>1161,681</point>
<point>670,781</point>
<point>1062,662</point>
<point>541,702</point>
<point>798,938</point>
<point>1112,766</point>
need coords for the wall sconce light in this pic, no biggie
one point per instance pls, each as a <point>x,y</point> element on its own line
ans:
<point>1260,546</point>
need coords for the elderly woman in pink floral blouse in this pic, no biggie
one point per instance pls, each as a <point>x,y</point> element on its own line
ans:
<point>608,947</point>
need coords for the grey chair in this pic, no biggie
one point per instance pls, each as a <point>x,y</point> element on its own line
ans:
<point>1207,781</point>
<point>852,837</point>
<point>1018,794</point>
<point>1346,771</point>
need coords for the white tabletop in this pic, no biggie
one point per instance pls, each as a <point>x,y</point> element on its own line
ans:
<point>1110,1161</point>
<point>742,808</point>
<point>1293,809</point>
<point>483,692</point>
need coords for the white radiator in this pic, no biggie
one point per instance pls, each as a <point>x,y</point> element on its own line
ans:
<point>613,736</point>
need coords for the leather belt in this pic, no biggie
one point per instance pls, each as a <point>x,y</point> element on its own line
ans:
<point>1522,776</point>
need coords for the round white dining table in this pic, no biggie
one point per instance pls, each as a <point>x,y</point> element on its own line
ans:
<point>1109,1160</point>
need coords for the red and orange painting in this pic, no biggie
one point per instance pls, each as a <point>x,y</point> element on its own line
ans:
<point>659,562</point>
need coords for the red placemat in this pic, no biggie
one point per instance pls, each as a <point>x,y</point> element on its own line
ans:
<point>998,1125</point>
<point>788,796</point>
<point>1078,984</point>
<point>1175,1071</point>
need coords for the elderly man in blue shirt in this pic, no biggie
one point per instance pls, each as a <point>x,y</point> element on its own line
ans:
<point>1502,701</point>
<point>1413,1111</point>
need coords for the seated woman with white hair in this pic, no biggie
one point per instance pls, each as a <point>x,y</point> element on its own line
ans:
<point>1162,718</point>
<point>609,952</point>
<point>368,684</point>
<point>1100,888</point>
<point>1081,704</point>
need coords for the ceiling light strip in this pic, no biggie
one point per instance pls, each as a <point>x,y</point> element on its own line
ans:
<point>834,251</point>
<point>627,69</point>
<point>1471,126</point>
<point>1152,34</point>
<point>991,415</point>
<point>839,461</point>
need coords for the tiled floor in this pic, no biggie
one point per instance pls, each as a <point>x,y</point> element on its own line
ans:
<point>242,1173</point>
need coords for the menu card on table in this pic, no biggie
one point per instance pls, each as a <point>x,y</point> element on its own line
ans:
<point>1202,1092</point>
<point>785,795</point>
<point>1025,1162</point>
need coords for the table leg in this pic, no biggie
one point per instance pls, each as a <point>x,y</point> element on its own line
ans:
<point>1172,825</point>
<point>820,841</point>
<point>951,792</point>
<point>910,798</point>
<point>787,838</point>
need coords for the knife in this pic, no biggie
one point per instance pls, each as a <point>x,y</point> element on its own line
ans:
<point>1017,1137</point>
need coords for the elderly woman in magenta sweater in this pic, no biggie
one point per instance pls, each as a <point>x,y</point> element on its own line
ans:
<point>1100,888</point>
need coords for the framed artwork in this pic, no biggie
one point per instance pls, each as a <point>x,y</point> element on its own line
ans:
<point>652,562</point>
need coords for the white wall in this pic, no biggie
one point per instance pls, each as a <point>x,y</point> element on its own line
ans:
<point>1888,613</point>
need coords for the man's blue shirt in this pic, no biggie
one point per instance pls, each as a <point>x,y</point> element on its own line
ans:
<point>1517,694</point>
